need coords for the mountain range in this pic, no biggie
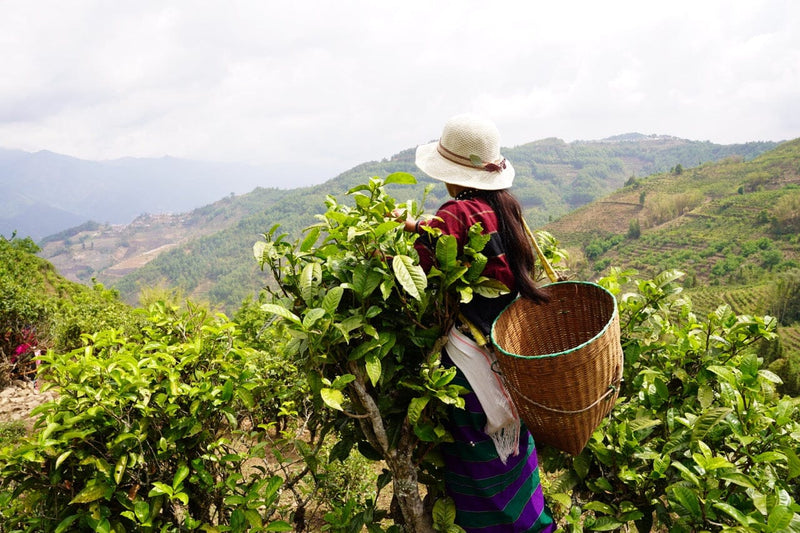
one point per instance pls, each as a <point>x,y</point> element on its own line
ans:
<point>206,252</point>
<point>43,193</point>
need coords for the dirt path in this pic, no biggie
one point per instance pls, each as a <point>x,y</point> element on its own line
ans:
<point>19,399</point>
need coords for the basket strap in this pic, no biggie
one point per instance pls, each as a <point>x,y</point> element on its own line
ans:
<point>611,390</point>
<point>548,268</point>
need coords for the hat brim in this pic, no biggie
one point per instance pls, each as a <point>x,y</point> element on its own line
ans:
<point>437,167</point>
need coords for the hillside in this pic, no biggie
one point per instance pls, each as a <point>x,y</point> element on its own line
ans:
<point>733,227</point>
<point>694,219</point>
<point>206,252</point>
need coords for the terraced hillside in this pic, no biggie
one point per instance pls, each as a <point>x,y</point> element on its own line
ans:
<point>722,223</point>
<point>733,227</point>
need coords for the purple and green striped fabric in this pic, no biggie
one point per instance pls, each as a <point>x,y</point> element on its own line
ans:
<point>491,497</point>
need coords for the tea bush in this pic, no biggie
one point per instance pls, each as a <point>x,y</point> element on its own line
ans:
<point>699,439</point>
<point>159,432</point>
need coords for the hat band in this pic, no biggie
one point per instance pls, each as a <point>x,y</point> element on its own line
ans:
<point>471,162</point>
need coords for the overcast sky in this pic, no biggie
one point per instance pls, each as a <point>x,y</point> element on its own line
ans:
<point>313,88</point>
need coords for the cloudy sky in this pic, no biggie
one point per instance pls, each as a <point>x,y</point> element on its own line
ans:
<point>312,88</point>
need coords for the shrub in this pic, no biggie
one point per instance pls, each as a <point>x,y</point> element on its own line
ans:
<point>147,433</point>
<point>367,326</point>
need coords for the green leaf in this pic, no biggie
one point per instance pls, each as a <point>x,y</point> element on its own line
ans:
<point>310,239</point>
<point>273,485</point>
<point>476,267</point>
<point>180,475</point>
<point>385,227</point>
<point>410,276</point>
<point>770,376</point>
<point>705,395</point>
<point>402,178</point>
<point>312,316</point>
<point>687,474</point>
<point>415,408</point>
<point>581,464</point>
<point>341,381</point>
<point>373,366</point>
<point>641,423</point>
<point>64,524</point>
<point>309,279</point>
<point>425,432</point>
<point>258,250</point>
<point>779,517</point>
<point>794,463</point>
<point>331,300</point>
<point>347,325</point>
<point>769,457</point>
<point>707,421</point>
<point>254,518</point>
<point>738,478</point>
<point>365,280</point>
<point>712,463</point>
<point>444,513</point>
<point>688,499</point>
<point>62,457</point>
<point>600,507</point>
<point>94,490</point>
<point>724,373</point>
<point>490,288</point>
<point>333,398</point>
<point>447,252</point>
<point>734,513</point>
<point>281,312</point>
<point>119,468</point>
<point>160,488</point>
<point>606,523</point>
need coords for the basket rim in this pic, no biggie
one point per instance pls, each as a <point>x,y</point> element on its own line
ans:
<point>573,349</point>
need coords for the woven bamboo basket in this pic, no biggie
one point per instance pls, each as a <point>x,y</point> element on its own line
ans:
<point>562,361</point>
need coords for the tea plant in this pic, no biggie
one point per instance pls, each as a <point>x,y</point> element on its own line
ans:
<point>699,439</point>
<point>160,432</point>
<point>367,326</point>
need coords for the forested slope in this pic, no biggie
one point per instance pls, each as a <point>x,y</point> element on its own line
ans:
<point>553,177</point>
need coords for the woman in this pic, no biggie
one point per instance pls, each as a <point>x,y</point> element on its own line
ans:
<point>492,469</point>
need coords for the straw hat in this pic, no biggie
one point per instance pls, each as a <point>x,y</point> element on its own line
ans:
<point>468,154</point>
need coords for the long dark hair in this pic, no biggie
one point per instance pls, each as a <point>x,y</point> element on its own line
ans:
<point>517,244</point>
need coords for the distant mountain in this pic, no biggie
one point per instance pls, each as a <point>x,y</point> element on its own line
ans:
<point>43,193</point>
<point>207,252</point>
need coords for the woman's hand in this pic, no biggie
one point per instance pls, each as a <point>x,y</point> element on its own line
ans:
<point>400,215</point>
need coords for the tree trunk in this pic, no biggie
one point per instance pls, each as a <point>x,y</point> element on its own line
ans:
<point>406,491</point>
<point>399,460</point>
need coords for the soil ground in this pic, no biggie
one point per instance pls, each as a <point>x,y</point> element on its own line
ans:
<point>18,399</point>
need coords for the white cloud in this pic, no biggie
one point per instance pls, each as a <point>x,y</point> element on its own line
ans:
<point>320,86</point>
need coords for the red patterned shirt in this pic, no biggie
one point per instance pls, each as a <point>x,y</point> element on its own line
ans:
<point>455,217</point>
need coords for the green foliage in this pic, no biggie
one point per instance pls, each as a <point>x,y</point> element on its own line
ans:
<point>367,324</point>
<point>699,439</point>
<point>40,310</point>
<point>11,432</point>
<point>634,229</point>
<point>154,433</point>
<point>785,299</point>
<point>786,214</point>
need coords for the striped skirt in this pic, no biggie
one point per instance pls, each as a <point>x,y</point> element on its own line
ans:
<point>491,497</point>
